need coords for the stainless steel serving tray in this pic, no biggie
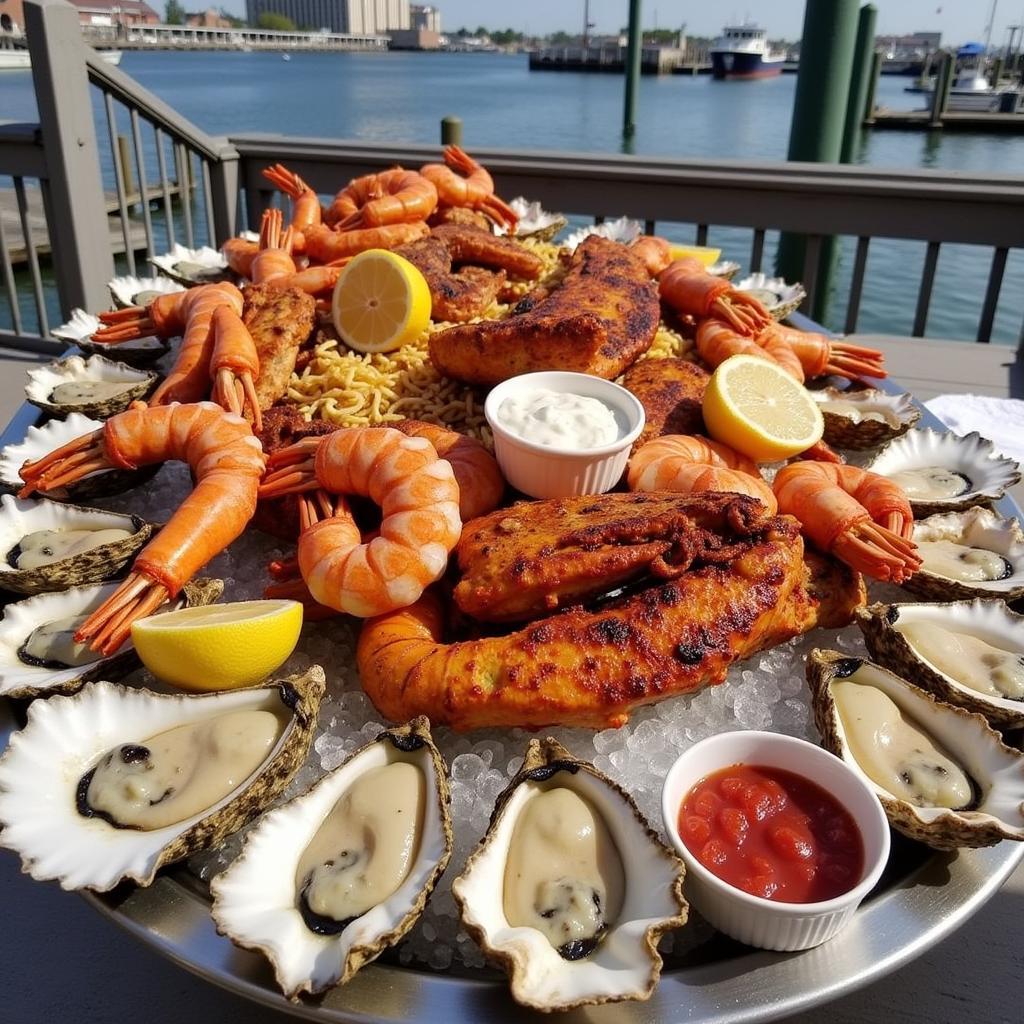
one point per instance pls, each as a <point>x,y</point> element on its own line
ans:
<point>922,898</point>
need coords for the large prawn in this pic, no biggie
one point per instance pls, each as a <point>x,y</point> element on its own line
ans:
<point>860,517</point>
<point>419,500</point>
<point>328,246</point>
<point>689,289</point>
<point>275,265</point>
<point>227,463</point>
<point>461,181</point>
<point>688,464</point>
<point>717,341</point>
<point>819,355</point>
<point>396,196</point>
<point>306,210</point>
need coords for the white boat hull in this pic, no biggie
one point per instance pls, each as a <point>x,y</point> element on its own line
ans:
<point>19,60</point>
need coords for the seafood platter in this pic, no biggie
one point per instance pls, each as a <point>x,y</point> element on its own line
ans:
<point>418,615</point>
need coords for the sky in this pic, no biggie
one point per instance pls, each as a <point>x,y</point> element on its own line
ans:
<point>958,20</point>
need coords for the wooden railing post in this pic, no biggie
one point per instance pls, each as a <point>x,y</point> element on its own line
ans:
<point>224,182</point>
<point>75,211</point>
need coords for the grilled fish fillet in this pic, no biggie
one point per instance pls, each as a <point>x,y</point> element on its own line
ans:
<point>594,668</point>
<point>671,392</point>
<point>601,317</point>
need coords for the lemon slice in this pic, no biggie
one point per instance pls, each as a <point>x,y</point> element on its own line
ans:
<point>705,254</point>
<point>218,647</point>
<point>754,406</point>
<point>381,302</point>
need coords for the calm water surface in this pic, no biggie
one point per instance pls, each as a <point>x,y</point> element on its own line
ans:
<point>401,97</point>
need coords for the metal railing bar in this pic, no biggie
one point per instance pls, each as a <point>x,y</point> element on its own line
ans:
<point>650,227</point>
<point>702,234</point>
<point>995,285</point>
<point>598,219</point>
<point>757,250</point>
<point>142,184</point>
<point>9,286</point>
<point>211,227</point>
<point>29,343</point>
<point>924,295</point>
<point>122,202</point>
<point>183,169</point>
<point>812,261</point>
<point>32,256</point>
<point>165,184</point>
<point>860,262</point>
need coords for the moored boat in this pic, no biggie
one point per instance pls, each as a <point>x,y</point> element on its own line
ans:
<point>742,51</point>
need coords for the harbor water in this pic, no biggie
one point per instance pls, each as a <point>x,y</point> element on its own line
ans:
<point>401,97</point>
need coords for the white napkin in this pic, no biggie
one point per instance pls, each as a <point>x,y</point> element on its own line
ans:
<point>1001,420</point>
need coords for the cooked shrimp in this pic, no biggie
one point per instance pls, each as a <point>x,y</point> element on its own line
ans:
<point>717,341</point>
<point>417,494</point>
<point>481,485</point>
<point>655,252</point>
<point>306,210</point>
<point>328,246</point>
<point>677,462</point>
<point>274,260</point>
<point>819,355</point>
<point>689,289</point>
<point>390,197</point>
<point>860,517</point>
<point>166,316</point>
<point>461,181</point>
<point>227,463</point>
<point>234,365</point>
<point>240,252</point>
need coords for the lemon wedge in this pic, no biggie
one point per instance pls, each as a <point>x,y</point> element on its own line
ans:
<point>220,646</point>
<point>754,406</point>
<point>705,254</point>
<point>381,302</point>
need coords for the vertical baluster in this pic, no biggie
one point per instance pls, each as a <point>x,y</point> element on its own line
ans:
<point>649,227</point>
<point>860,262</point>
<point>924,295</point>
<point>143,183</point>
<point>122,202</point>
<point>812,260</point>
<point>599,220</point>
<point>757,250</point>
<point>32,256</point>
<point>183,169</point>
<point>165,185</point>
<point>995,284</point>
<point>702,234</point>
<point>211,228</point>
<point>9,286</point>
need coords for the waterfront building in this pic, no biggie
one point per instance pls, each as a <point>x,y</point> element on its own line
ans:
<point>425,18</point>
<point>359,17</point>
<point>210,18</point>
<point>12,20</point>
<point>107,13</point>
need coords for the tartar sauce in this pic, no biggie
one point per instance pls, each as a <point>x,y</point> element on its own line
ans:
<point>559,419</point>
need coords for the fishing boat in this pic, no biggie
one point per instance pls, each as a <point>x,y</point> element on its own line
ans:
<point>971,92</point>
<point>742,51</point>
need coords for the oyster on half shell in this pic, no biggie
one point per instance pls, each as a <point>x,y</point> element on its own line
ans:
<point>37,653</point>
<point>621,229</point>
<point>943,775</point>
<point>40,441</point>
<point>85,788</point>
<point>864,418</point>
<point>778,298</point>
<point>573,914</point>
<point>330,879</point>
<point>969,554</point>
<point>82,326</point>
<point>943,472</point>
<point>95,387</point>
<point>140,291</point>
<point>47,545</point>
<point>193,266</point>
<point>534,221</point>
<point>969,653</point>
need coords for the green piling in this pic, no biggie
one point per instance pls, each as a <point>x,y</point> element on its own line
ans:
<point>819,115</point>
<point>872,90</point>
<point>943,83</point>
<point>451,130</point>
<point>633,53</point>
<point>860,80</point>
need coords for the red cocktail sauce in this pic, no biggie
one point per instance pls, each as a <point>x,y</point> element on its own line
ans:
<point>772,833</point>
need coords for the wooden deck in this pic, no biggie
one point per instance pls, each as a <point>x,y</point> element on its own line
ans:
<point>62,961</point>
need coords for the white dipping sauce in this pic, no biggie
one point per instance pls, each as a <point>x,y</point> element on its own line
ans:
<point>559,419</point>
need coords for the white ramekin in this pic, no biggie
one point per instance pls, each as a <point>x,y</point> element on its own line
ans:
<point>544,471</point>
<point>751,919</point>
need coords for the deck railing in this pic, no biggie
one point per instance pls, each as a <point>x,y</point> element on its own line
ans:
<point>122,151</point>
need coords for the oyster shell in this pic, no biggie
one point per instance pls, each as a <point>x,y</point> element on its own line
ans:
<point>973,471</point>
<point>114,386</point>
<point>964,741</point>
<point>140,291</point>
<point>724,268</point>
<point>624,963</point>
<point>534,221</point>
<point>982,530</point>
<point>778,298</point>
<point>20,619</point>
<point>21,517</point>
<point>622,229</point>
<point>865,418</point>
<point>41,440</point>
<point>46,807</point>
<point>256,902</point>
<point>82,326</point>
<point>193,266</point>
<point>895,635</point>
